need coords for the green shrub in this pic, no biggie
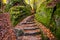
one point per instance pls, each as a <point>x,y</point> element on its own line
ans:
<point>57,20</point>
<point>57,34</point>
<point>8,6</point>
<point>13,3</point>
<point>17,13</point>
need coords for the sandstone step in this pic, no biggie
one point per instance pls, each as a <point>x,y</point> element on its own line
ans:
<point>30,28</point>
<point>32,34</point>
<point>37,37</point>
<point>27,25</point>
<point>27,22</point>
<point>30,20</point>
<point>24,21</point>
<point>31,31</point>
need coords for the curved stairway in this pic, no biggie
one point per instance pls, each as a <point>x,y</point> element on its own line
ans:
<point>29,28</point>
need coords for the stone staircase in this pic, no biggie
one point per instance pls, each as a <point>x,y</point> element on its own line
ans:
<point>29,29</point>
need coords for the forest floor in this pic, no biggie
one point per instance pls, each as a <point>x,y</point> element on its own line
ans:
<point>28,29</point>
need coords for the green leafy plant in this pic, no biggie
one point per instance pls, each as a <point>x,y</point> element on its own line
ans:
<point>13,3</point>
<point>57,20</point>
<point>57,34</point>
<point>18,13</point>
